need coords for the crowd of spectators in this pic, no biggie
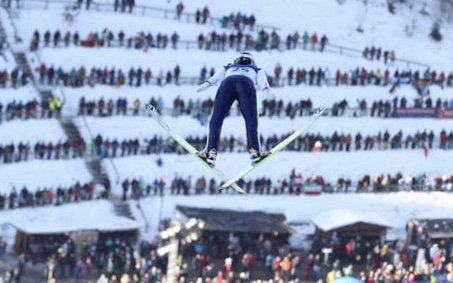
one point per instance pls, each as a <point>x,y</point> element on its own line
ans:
<point>238,21</point>
<point>202,15</point>
<point>429,260</point>
<point>359,77</point>
<point>31,109</point>
<point>105,38</point>
<point>378,108</point>
<point>46,196</point>
<point>264,41</point>
<point>102,146</point>
<point>372,53</point>
<point>123,5</point>
<point>77,77</point>
<point>119,258</point>
<point>113,257</point>
<point>24,151</point>
<point>49,75</point>
<point>137,188</point>
<point>16,78</point>
<point>295,184</point>
<point>200,109</point>
<point>219,41</point>
<point>215,40</point>
<point>108,147</point>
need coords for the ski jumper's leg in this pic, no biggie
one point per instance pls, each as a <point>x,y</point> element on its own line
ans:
<point>222,104</point>
<point>248,104</point>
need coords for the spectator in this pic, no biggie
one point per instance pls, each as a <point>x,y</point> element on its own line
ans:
<point>179,10</point>
<point>205,14</point>
<point>130,4</point>
<point>323,42</point>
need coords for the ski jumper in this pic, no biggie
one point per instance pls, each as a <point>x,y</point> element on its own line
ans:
<point>237,83</point>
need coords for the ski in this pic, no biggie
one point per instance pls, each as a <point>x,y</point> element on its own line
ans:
<point>188,147</point>
<point>276,148</point>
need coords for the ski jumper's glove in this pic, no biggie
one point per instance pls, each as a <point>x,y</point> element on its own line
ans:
<point>203,86</point>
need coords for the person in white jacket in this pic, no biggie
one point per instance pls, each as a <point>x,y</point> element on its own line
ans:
<point>239,81</point>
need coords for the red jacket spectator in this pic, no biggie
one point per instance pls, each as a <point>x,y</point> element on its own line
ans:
<point>314,39</point>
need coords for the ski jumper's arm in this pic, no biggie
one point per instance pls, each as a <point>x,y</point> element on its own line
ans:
<point>261,80</point>
<point>262,84</point>
<point>217,76</point>
<point>214,79</point>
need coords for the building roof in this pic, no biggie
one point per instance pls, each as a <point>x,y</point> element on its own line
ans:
<point>338,218</point>
<point>238,221</point>
<point>73,217</point>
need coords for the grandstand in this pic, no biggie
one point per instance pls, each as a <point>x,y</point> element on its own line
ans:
<point>62,111</point>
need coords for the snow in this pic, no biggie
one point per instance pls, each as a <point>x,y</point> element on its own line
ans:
<point>338,22</point>
<point>102,218</point>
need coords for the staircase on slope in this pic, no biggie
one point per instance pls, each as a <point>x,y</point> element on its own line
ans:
<point>95,167</point>
<point>72,132</point>
<point>22,63</point>
<point>70,129</point>
<point>122,208</point>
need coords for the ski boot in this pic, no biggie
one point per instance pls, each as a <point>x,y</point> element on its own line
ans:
<point>257,156</point>
<point>208,156</point>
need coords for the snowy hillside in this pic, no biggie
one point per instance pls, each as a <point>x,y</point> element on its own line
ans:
<point>406,32</point>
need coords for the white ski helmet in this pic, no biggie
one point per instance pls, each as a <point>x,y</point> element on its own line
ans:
<point>246,58</point>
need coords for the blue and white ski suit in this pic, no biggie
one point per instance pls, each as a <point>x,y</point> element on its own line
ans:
<point>237,82</point>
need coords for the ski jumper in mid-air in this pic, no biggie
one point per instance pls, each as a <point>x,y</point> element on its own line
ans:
<point>239,82</point>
